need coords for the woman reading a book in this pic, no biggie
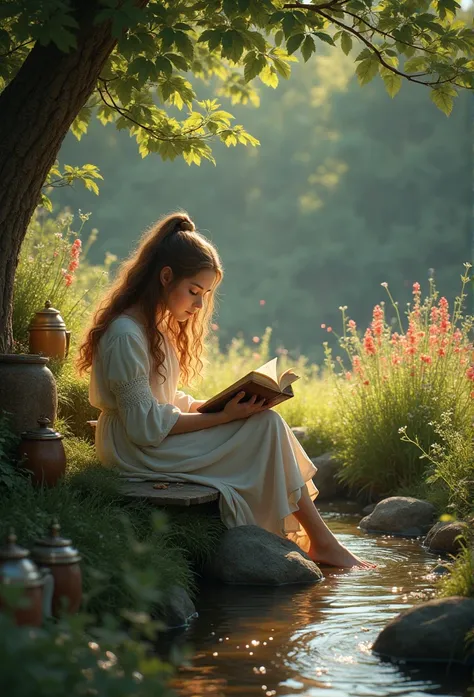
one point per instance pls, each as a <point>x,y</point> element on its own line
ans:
<point>145,337</point>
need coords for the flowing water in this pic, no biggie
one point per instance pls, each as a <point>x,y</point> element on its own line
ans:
<point>316,640</point>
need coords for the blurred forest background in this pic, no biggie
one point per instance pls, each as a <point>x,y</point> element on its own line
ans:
<point>348,189</point>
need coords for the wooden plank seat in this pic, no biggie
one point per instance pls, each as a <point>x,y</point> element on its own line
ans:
<point>166,493</point>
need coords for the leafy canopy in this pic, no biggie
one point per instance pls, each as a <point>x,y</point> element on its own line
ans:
<point>148,84</point>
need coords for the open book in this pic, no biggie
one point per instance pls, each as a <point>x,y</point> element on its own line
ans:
<point>263,382</point>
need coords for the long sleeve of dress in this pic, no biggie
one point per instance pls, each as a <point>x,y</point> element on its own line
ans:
<point>127,371</point>
<point>183,401</point>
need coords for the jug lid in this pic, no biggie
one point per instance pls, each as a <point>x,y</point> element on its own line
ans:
<point>15,567</point>
<point>47,318</point>
<point>43,432</point>
<point>54,549</point>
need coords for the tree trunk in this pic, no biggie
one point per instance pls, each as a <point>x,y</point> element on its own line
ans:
<point>36,111</point>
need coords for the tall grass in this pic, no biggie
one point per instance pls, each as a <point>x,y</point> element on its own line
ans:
<point>400,380</point>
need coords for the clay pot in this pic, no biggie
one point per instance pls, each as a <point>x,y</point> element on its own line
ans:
<point>42,453</point>
<point>57,555</point>
<point>47,332</point>
<point>27,389</point>
<point>16,570</point>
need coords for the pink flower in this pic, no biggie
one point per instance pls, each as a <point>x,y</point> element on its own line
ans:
<point>416,288</point>
<point>369,345</point>
<point>262,302</point>
<point>329,329</point>
<point>68,279</point>
<point>470,373</point>
<point>214,327</point>
<point>352,325</point>
<point>425,358</point>
<point>256,340</point>
<point>323,326</point>
<point>73,265</point>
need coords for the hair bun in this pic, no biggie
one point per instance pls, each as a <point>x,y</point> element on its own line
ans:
<point>185,224</point>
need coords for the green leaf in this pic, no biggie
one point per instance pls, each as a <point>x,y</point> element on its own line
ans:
<point>346,42</point>
<point>254,64</point>
<point>232,45</point>
<point>324,37</point>
<point>294,42</point>
<point>164,65</point>
<point>308,48</point>
<point>282,68</point>
<point>416,64</point>
<point>442,96</point>
<point>391,80</point>
<point>178,61</point>
<point>184,44</point>
<point>367,70</point>
<point>279,37</point>
<point>269,76</point>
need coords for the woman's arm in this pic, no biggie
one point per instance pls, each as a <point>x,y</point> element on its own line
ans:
<point>195,405</point>
<point>233,410</point>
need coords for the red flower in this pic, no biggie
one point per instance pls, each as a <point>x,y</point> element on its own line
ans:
<point>369,345</point>
<point>68,279</point>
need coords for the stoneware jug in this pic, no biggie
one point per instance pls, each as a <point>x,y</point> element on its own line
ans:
<point>48,334</point>
<point>17,570</point>
<point>56,554</point>
<point>27,389</point>
<point>42,453</point>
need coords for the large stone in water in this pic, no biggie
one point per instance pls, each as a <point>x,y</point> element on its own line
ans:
<point>402,515</point>
<point>433,631</point>
<point>447,537</point>
<point>249,555</point>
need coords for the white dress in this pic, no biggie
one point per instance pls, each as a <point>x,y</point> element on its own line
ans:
<point>257,464</point>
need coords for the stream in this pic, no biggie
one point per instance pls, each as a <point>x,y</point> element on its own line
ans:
<point>316,640</point>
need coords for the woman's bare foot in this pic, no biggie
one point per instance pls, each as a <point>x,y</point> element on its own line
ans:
<point>337,555</point>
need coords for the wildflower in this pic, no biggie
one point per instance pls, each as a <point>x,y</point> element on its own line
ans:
<point>214,327</point>
<point>377,322</point>
<point>329,329</point>
<point>73,265</point>
<point>323,326</point>
<point>472,394</point>
<point>256,340</point>
<point>470,373</point>
<point>369,345</point>
<point>352,325</point>
<point>348,375</point>
<point>256,356</point>
<point>425,358</point>
<point>384,284</point>
<point>356,364</point>
<point>262,302</point>
<point>366,382</point>
<point>396,359</point>
<point>416,288</point>
<point>68,279</point>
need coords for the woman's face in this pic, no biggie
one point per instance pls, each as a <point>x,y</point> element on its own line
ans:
<point>189,295</point>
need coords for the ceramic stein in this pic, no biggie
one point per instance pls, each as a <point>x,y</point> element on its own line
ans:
<point>44,452</point>
<point>48,334</point>
<point>17,570</point>
<point>56,554</point>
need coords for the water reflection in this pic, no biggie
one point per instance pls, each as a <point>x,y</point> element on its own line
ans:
<point>315,640</point>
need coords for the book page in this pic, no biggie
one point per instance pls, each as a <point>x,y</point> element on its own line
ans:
<point>270,370</point>
<point>288,378</point>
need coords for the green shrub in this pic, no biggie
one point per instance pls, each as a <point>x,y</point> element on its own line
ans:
<point>396,380</point>
<point>74,408</point>
<point>460,580</point>
<point>53,266</point>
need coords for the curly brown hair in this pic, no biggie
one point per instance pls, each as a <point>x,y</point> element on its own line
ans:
<point>172,241</point>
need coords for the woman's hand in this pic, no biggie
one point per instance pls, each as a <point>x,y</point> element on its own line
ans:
<point>235,409</point>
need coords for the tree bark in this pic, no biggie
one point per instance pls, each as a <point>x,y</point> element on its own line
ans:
<point>36,111</point>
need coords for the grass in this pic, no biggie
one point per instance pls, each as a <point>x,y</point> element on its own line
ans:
<point>93,515</point>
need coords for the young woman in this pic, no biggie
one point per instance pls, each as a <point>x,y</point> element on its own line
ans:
<point>146,336</point>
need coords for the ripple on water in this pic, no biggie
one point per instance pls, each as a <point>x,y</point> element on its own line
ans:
<point>279,642</point>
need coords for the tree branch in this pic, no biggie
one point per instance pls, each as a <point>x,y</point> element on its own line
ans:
<point>17,48</point>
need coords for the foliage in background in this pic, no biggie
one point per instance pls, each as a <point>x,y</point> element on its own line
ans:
<point>50,258</point>
<point>348,189</point>
<point>449,463</point>
<point>401,381</point>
